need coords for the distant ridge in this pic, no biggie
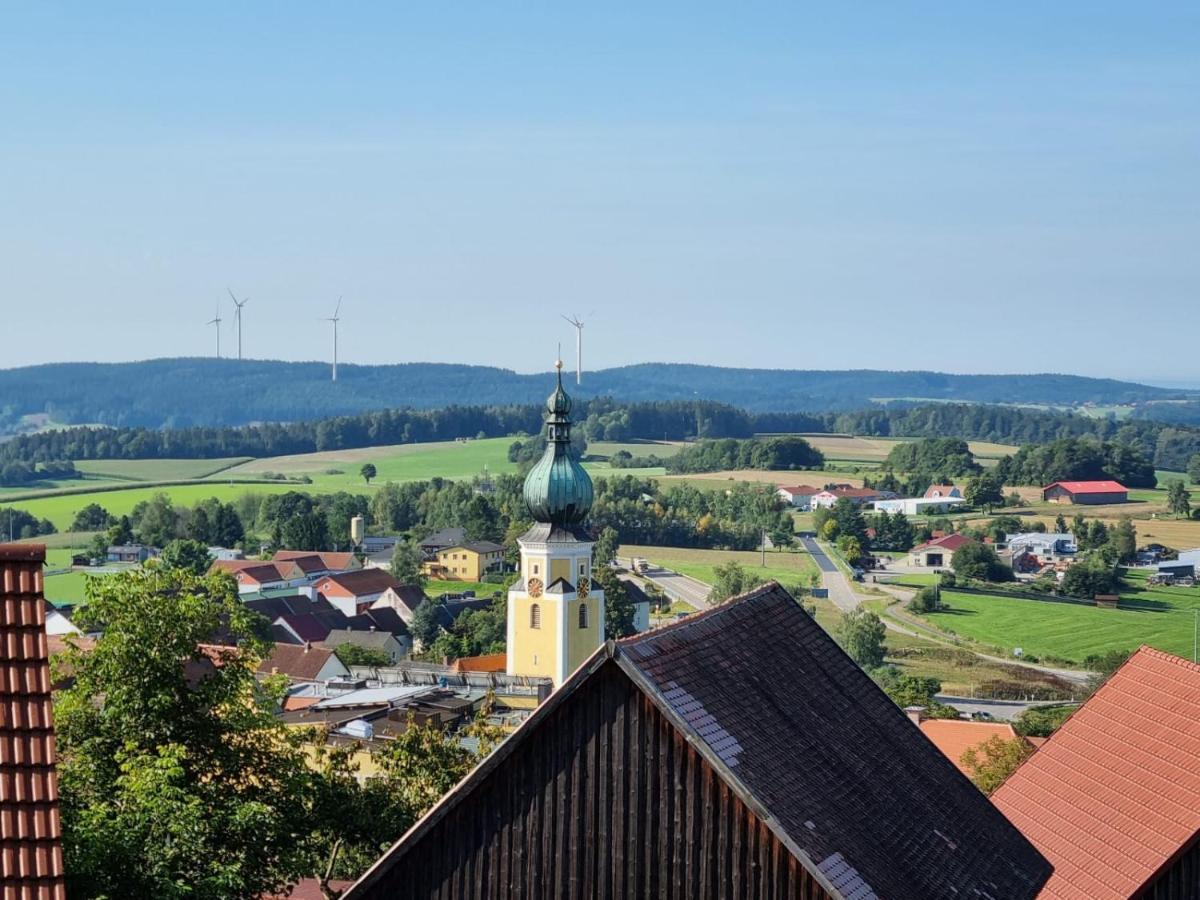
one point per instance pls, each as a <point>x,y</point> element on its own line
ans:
<point>203,391</point>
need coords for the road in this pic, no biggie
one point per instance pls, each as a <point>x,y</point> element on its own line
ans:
<point>1001,710</point>
<point>678,587</point>
<point>833,579</point>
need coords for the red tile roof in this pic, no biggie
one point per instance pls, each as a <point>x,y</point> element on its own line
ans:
<point>31,863</point>
<point>1089,487</point>
<point>938,490</point>
<point>262,573</point>
<point>331,560</point>
<point>233,566</point>
<point>802,490</point>
<point>949,542</point>
<point>1114,794</point>
<point>359,583</point>
<point>954,737</point>
<point>298,661</point>
<point>490,662</point>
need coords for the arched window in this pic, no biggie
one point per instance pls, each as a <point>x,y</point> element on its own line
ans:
<point>535,616</point>
<point>583,615</point>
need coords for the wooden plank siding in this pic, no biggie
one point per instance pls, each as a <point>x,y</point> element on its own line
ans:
<point>1181,880</point>
<point>611,802</point>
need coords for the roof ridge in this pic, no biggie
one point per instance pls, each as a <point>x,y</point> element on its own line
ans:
<point>767,587</point>
<point>1147,650</point>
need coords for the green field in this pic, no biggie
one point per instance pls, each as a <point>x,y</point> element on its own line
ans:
<point>788,567</point>
<point>156,469</point>
<point>1161,617</point>
<point>67,588</point>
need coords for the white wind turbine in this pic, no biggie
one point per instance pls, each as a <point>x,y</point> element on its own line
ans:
<point>216,320</point>
<point>334,320</point>
<point>574,320</point>
<point>238,317</point>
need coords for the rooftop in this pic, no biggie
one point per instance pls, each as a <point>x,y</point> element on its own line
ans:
<point>1089,487</point>
<point>1114,794</point>
<point>954,737</point>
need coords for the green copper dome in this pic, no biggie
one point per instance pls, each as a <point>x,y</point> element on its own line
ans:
<point>557,489</point>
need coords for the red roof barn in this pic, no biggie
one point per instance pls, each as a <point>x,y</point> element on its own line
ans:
<point>1085,492</point>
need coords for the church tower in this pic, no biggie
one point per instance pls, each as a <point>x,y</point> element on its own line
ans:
<point>555,616</point>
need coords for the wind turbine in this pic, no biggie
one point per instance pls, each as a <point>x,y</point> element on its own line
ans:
<point>216,320</point>
<point>334,320</point>
<point>238,317</point>
<point>574,320</point>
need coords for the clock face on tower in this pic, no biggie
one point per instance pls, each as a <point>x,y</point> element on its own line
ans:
<point>582,588</point>
<point>535,587</point>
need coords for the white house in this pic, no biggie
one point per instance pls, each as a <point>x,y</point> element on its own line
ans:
<point>57,623</point>
<point>799,496</point>
<point>938,491</point>
<point>858,496</point>
<point>1043,546</point>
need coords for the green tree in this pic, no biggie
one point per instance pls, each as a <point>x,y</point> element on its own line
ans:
<point>424,626</point>
<point>984,491</point>
<point>176,778</point>
<point>980,562</point>
<point>306,531</point>
<point>618,607</point>
<point>1179,501</point>
<point>729,580</point>
<point>1088,577</point>
<point>994,760</point>
<point>1041,721</point>
<point>608,543</point>
<point>829,530</point>
<point>356,655</point>
<point>92,517</point>
<point>1193,469</point>
<point>120,532</point>
<point>850,548</point>
<point>1123,539</point>
<point>368,471</point>
<point>1060,524</point>
<point>406,563</point>
<point>861,632</point>
<point>191,556</point>
<point>155,521</point>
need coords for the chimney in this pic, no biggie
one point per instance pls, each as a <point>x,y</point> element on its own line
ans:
<point>307,646</point>
<point>915,714</point>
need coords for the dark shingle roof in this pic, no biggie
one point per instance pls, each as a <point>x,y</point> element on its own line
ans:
<point>447,537</point>
<point>31,863</point>
<point>833,760</point>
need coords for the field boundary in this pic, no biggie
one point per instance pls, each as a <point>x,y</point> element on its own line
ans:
<point>11,499</point>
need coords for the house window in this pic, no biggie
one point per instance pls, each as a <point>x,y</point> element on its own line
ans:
<point>535,616</point>
<point>583,615</point>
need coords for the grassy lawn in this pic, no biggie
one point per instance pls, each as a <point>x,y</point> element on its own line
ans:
<point>788,567</point>
<point>660,449</point>
<point>68,588</point>
<point>481,589</point>
<point>1160,617</point>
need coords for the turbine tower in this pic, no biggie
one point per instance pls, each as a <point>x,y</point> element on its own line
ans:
<point>238,317</point>
<point>334,320</point>
<point>574,320</point>
<point>216,320</point>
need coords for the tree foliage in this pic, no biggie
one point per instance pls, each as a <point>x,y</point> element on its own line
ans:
<point>991,763</point>
<point>1179,501</point>
<point>979,561</point>
<point>191,556</point>
<point>861,633</point>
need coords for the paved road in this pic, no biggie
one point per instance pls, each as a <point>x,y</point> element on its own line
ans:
<point>834,580</point>
<point>1002,710</point>
<point>679,587</point>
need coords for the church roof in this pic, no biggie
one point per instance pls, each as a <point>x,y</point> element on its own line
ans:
<point>558,490</point>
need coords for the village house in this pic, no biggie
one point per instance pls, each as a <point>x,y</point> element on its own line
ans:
<point>353,592</point>
<point>130,553</point>
<point>1085,492</point>
<point>317,563</point>
<point>303,662</point>
<point>467,561</point>
<point>693,756</point>
<point>381,641</point>
<point>440,540</point>
<point>954,737</point>
<point>942,491</point>
<point>1183,566</point>
<point>798,496</point>
<point>937,552</point>
<point>1112,798</point>
<point>824,499</point>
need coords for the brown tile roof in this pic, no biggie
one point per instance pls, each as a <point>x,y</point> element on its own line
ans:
<point>263,573</point>
<point>298,661</point>
<point>361,582</point>
<point>938,490</point>
<point>949,542</point>
<point>954,737</point>
<point>334,561</point>
<point>233,565</point>
<point>1114,794</point>
<point>490,662</point>
<point>31,864</point>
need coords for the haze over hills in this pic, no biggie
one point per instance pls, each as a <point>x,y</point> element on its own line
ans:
<point>200,391</point>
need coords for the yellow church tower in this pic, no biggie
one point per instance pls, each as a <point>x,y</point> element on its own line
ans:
<point>555,615</point>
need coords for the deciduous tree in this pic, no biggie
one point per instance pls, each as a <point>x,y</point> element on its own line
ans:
<point>861,632</point>
<point>992,762</point>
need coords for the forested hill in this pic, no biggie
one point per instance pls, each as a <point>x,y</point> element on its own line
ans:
<point>176,393</point>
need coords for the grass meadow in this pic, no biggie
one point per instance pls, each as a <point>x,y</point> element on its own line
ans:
<point>789,567</point>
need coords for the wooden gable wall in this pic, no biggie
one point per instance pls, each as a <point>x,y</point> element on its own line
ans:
<point>604,799</point>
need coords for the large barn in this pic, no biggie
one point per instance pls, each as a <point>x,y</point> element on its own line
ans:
<point>1085,492</point>
<point>738,754</point>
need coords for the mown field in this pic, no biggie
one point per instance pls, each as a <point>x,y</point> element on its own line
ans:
<point>1161,617</point>
<point>789,567</point>
<point>156,469</point>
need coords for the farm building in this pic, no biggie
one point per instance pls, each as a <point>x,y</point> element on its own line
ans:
<point>692,762</point>
<point>939,491</point>
<point>1112,798</point>
<point>1042,545</point>
<point>1085,492</point>
<point>856,495</point>
<point>918,506</point>
<point>937,552</point>
<point>799,495</point>
<point>1183,567</point>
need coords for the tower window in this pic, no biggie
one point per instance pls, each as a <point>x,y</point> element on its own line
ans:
<point>583,615</point>
<point>535,616</point>
<point>583,568</point>
<point>535,569</point>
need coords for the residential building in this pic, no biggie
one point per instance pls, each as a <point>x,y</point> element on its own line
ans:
<point>225,554</point>
<point>856,495</point>
<point>440,540</point>
<point>641,602</point>
<point>919,506</point>
<point>57,621</point>
<point>303,662</point>
<point>942,491</point>
<point>690,761</point>
<point>1047,547</point>
<point>954,737</point>
<point>1085,492</point>
<point>468,561</point>
<point>555,613</point>
<point>31,859</point>
<point>266,576</point>
<point>937,552</point>
<point>352,592</point>
<point>327,561</point>
<point>1112,799</point>
<point>130,553</point>
<point>379,641</point>
<point>799,495</point>
<point>403,598</point>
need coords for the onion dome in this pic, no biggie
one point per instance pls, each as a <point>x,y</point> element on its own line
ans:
<point>557,489</point>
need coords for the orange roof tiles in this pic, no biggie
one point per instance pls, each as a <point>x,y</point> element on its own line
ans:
<point>954,737</point>
<point>31,863</point>
<point>489,662</point>
<point>1114,794</point>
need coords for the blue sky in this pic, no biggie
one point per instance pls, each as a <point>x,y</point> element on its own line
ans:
<point>966,187</point>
